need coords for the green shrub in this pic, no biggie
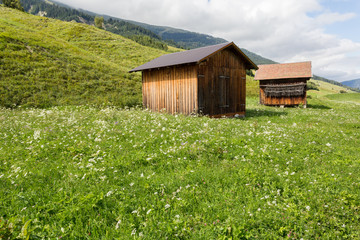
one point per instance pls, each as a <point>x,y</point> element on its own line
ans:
<point>312,86</point>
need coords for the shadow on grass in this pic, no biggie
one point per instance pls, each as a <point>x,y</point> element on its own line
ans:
<point>252,113</point>
<point>318,106</point>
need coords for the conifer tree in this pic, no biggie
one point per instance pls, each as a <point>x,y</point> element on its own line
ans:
<point>99,22</point>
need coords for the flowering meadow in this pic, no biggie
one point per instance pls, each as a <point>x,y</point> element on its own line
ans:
<point>85,172</point>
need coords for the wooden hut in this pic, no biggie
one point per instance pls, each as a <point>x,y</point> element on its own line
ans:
<point>283,84</point>
<point>209,80</point>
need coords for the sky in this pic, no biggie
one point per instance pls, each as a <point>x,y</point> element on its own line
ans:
<point>326,32</point>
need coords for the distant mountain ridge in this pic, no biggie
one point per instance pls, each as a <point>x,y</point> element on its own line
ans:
<point>353,83</point>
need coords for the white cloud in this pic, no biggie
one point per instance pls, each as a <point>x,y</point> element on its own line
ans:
<point>284,31</point>
<point>332,17</point>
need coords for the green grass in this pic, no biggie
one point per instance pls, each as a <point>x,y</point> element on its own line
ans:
<point>346,97</point>
<point>252,87</point>
<point>106,173</point>
<point>46,62</point>
<point>327,88</point>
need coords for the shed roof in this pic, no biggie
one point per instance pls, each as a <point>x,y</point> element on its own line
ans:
<point>285,70</point>
<point>191,56</point>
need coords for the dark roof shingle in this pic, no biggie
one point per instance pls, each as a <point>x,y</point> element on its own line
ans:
<point>190,56</point>
<point>285,70</point>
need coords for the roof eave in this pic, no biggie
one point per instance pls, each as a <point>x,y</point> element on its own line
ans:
<point>261,79</point>
<point>143,69</point>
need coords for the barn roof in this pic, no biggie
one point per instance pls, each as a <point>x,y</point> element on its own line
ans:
<point>191,56</point>
<point>285,70</point>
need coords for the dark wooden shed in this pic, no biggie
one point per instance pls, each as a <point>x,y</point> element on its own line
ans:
<point>209,80</point>
<point>283,84</point>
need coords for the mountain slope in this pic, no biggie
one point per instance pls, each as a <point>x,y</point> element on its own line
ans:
<point>353,83</point>
<point>336,83</point>
<point>45,62</point>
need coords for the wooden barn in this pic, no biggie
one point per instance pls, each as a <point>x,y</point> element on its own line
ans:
<point>209,80</point>
<point>283,84</point>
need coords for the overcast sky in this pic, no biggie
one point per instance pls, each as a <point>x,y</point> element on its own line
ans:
<point>326,32</point>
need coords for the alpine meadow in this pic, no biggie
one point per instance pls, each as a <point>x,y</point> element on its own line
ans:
<point>80,158</point>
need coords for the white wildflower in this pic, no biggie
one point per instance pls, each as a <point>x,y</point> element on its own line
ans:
<point>308,208</point>
<point>167,206</point>
<point>148,211</point>
<point>92,160</point>
<point>131,184</point>
<point>109,193</point>
<point>328,144</point>
<point>36,134</point>
<point>118,224</point>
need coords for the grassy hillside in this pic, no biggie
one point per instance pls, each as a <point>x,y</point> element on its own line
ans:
<point>46,62</point>
<point>332,83</point>
<point>327,88</point>
<point>90,173</point>
<point>347,98</point>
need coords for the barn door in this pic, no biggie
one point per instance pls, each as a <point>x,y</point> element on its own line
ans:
<point>224,93</point>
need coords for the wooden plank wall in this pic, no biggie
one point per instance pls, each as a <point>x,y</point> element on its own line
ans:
<point>222,84</point>
<point>172,89</point>
<point>286,101</point>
